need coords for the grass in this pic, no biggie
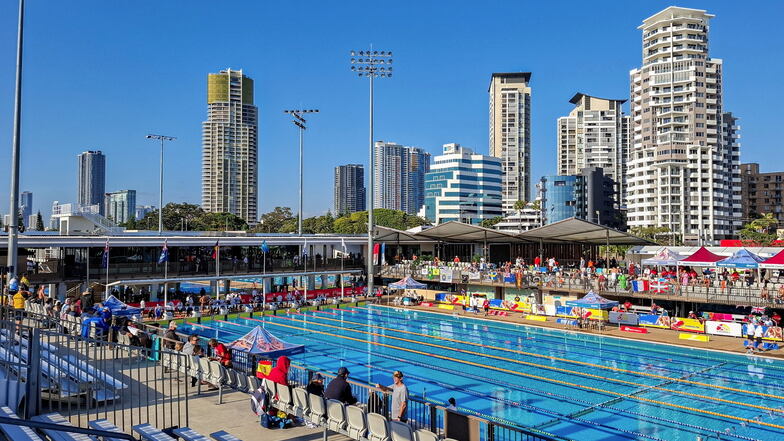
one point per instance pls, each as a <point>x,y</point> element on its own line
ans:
<point>282,311</point>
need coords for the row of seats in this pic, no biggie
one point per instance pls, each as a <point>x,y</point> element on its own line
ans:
<point>352,421</point>
<point>210,371</point>
<point>21,432</point>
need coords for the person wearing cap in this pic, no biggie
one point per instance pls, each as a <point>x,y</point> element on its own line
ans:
<point>339,389</point>
<point>171,337</point>
<point>399,409</point>
<point>316,385</point>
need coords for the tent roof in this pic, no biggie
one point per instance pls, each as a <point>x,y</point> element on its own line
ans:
<point>453,231</point>
<point>579,230</point>
<point>742,258</point>
<point>664,257</point>
<point>259,341</point>
<point>702,256</point>
<point>592,300</point>
<point>386,234</point>
<point>776,261</point>
<point>407,283</point>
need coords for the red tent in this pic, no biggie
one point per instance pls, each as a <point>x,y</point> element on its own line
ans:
<point>777,261</point>
<point>701,257</point>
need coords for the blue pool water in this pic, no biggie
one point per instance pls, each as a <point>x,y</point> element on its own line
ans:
<point>573,385</point>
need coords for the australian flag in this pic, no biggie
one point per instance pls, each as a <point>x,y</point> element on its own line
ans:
<point>164,257</point>
<point>264,247</point>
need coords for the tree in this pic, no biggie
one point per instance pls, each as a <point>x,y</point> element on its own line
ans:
<point>39,222</point>
<point>489,223</point>
<point>537,205</point>
<point>219,222</point>
<point>520,205</point>
<point>274,221</point>
<point>760,231</point>
<point>174,217</point>
<point>356,223</point>
<point>654,234</point>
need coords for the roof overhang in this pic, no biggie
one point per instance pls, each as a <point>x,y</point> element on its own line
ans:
<point>582,231</point>
<point>453,231</point>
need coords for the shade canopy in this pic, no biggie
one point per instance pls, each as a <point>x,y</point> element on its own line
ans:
<point>775,262</point>
<point>582,231</point>
<point>701,257</point>
<point>742,258</point>
<point>407,283</point>
<point>453,231</point>
<point>664,257</point>
<point>260,342</point>
<point>592,301</point>
<point>117,307</point>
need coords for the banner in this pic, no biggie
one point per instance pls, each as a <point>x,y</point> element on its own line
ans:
<point>509,278</point>
<point>441,297</point>
<point>693,337</point>
<point>720,316</point>
<point>769,332</point>
<point>538,318</point>
<point>655,320</point>
<point>474,275</point>
<point>565,311</point>
<point>624,318</point>
<point>510,305</point>
<point>687,324</point>
<point>634,329</point>
<point>729,329</point>
<point>446,275</point>
<point>640,285</point>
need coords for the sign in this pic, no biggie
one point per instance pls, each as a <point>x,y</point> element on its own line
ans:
<point>729,329</point>
<point>446,307</point>
<point>428,304</point>
<point>769,332</point>
<point>568,322</point>
<point>474,275</point>
<point>565,311</point>
<point>446,276</point>
<point>655,321</point>
<point>687,324</point>
<point>624,318</point>
<point>634,329</point>
<point>693,337</point>
<point>660,286</point>
<point>538,318</point>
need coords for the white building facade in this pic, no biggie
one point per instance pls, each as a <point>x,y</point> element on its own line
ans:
<point>463,186</point>
<point>682,172</point>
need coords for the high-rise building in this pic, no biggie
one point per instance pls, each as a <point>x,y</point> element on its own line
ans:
<point>399,176</point>
<point>120,205</point>
<point>26,207</point>
<point>761,193</point>
<point>463,186</point>
<point>590,195</point>
<point>349,190</point>
<point>230,146</point>
<point>142,210</point>
<point>595,134</point>
<point>510,134</point>
<point>92,179</point>
<point>683,172</point>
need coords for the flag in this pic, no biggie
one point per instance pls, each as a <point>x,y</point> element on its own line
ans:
<point>264,247</point>
<point>375,252</point>
<point>164,257</point>
<point>305,248</point>
<point>660,286</point>
<point>105,257</point>
<point>215,250</point>
<point>383,253</point>
<point>758,310</point>
<point>343,244</point>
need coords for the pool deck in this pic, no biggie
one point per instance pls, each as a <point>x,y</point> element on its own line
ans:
<point>654,335</point>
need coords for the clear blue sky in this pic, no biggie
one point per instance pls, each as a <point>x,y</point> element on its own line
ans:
<point>101,75</point>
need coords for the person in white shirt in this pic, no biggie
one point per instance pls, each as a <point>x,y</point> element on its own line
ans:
<point>759,331</point>
<point>750,329</point>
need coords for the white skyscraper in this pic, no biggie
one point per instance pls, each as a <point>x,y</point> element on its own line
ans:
<point>595,134</point>
<point>510,133</point>
<point>682,172</point>
<point>230,146</point>
<point>399,176</point>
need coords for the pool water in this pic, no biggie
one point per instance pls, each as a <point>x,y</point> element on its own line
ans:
<point>577,386</point>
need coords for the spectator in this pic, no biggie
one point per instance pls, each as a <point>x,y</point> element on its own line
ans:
<point>399,409</point>
<point>339,389</point>
<point>452,404</point>
<point>316,385</point>
<point>171,336</point>
<point>221,353</point>
<point>280,373</point>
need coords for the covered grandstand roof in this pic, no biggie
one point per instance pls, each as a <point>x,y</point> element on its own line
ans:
<point>453,231</point>
<point>578,230</point>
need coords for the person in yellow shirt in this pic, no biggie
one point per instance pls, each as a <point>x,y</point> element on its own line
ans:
<point>19,300</point>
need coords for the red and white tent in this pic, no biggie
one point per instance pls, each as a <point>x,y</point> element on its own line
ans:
<point>701,257</point>
<point>775,262</point>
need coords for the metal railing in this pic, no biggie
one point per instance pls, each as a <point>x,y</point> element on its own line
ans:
<point>423,414</point>
<point>85,379</point>
<point>93,433</point>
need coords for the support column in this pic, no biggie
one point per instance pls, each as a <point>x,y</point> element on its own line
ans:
<point>227,286</point>
<point>155,289</point>
<point>52,287</point>
<point>214,293</point>
<point>62,289</point>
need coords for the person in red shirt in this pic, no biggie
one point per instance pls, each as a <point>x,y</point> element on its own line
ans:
<point>222,353</point>
<point>457,259</point>
<point>280,373</point>
<point>627,305</point>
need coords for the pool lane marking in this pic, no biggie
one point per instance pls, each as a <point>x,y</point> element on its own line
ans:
<point>562,370</point>
<point>567,360</point>
<point>545,379</point>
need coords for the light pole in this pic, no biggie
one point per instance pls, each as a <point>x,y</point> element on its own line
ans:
<point>299,121</point>
<point>371,64</point>
<point>13,226</point>
<point>161,138</point>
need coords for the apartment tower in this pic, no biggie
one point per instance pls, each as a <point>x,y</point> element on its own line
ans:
<point>683,172</point>
<point>91,183</point>
<point>510,134</point>
<point>120,205</point>
<point>349,189</point>
<point>595,134</point>
<point>230,146</point>
<point>399,176</point>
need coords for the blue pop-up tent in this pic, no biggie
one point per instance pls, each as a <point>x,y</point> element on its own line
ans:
<point>742,258</point>
<point>260,342</point>
<point>407,283</point>
<point>592,301</point>
<point>117,307</point>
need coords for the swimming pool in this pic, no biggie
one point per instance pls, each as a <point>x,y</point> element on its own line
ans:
<point>578,386</point>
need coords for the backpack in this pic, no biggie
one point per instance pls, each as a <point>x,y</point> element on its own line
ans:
<point>259,401</point>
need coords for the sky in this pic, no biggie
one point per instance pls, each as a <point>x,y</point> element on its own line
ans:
<point>102,75</point>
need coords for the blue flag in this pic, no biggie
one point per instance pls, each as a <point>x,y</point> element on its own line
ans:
<point>164,257</point>
<point>264,247</point>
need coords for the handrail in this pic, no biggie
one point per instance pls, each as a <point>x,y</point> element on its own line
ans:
<point>61,428</point>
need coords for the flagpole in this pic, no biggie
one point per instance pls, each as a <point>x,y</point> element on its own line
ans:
<point>217,271</point>
<point>87,283</point>
<point>166,279</point>
<point>106,289</point>
<point>305,268</point>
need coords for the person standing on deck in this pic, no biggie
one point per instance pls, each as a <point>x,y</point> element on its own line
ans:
<point>399,409</point>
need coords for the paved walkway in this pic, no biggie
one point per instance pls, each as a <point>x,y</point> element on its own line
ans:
<point>654,335</point>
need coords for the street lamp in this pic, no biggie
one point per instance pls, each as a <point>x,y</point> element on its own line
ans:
<point>299,121</point>
<point>13,231</point>
<point>161,138</point>
<point>371,64</point>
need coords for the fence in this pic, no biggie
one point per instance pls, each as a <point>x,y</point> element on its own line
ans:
<point>85,379</point>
